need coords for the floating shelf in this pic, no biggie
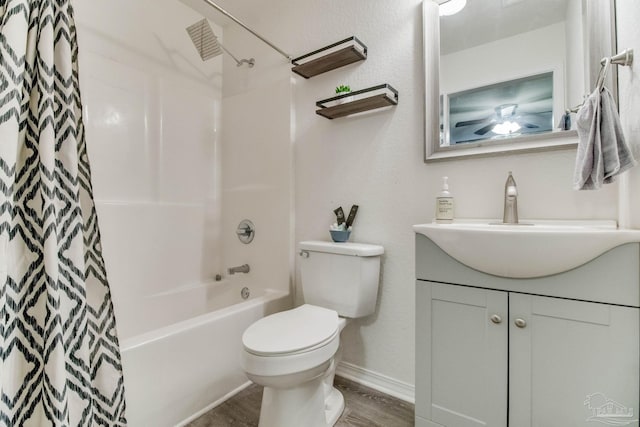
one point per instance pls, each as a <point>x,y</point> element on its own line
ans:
<point>330,57</point>
<point>330,109</point>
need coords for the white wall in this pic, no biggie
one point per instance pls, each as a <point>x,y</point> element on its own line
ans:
<point>376,161</point>
<point>151,109</point>
<point>523,55</point>
<point>574,45</point>
<point>628,16</point>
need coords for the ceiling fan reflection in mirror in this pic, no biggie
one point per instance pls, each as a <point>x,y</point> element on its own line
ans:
<point>507,108</point>
<point>505,121</point>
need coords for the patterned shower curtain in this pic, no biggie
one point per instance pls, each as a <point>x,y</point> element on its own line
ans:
<point>59,355</point>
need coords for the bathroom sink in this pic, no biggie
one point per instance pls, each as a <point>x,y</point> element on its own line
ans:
<point>530,249</point>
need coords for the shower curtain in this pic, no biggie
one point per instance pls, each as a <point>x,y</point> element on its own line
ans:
<point>59,355</point>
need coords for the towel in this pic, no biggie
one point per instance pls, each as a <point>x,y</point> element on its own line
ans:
<point>603,152</point>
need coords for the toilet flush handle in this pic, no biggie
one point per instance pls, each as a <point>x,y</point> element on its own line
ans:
<point>304,254</point>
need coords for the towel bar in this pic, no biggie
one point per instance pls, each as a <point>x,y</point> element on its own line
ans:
<point>624,58</point>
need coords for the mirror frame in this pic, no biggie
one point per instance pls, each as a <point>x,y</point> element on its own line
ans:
<point>599,44</point>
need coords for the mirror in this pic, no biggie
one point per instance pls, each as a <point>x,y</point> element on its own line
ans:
<point>500,74</point>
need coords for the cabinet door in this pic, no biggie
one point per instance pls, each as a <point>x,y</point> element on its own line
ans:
<point>572,363</point>
<point>468,356</point>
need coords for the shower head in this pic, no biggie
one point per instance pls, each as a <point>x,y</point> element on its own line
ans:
<point>207,44</point>
<point>204,40</point>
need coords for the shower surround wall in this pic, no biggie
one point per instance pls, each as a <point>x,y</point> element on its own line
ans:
<point>257,157</point>
<point>163,170</point>
<point>256,179</point>
<point>152,110</point>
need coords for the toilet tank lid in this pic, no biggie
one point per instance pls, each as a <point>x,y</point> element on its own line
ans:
<point>346,248</point>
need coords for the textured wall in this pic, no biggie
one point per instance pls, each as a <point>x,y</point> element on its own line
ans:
<point>628,12</point>
<point>376,161</point>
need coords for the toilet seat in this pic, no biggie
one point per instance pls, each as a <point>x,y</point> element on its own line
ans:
<point>291,341</point>
<point>295,331</point>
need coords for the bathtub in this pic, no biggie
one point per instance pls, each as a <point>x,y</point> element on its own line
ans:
<point>182,357</point>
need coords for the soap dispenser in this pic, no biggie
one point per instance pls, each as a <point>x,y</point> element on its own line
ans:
<point>444,203</point>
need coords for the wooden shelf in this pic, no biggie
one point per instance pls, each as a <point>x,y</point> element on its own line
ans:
<point>355,52</point>
<point>386,99</point>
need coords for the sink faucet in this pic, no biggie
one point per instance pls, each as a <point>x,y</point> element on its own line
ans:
<point>244,268</point>
<point>510,201</point>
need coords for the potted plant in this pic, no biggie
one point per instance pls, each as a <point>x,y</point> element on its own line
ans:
<point>341,90</point>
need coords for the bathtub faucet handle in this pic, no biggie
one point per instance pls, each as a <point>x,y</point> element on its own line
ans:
<point>244,268</point>
<point>246,231</point>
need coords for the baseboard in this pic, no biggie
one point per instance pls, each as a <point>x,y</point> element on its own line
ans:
<point>214,404</point>
<point>376,381</point>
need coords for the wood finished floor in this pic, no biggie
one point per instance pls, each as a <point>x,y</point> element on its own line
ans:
<point>364,408</point>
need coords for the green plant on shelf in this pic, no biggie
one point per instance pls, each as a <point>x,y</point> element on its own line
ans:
<point>342,89</point>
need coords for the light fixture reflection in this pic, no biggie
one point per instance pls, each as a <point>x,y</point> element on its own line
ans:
<point>506,128</point>
<point>451,7</point>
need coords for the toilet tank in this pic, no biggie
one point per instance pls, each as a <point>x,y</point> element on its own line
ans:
<point>341,276</point>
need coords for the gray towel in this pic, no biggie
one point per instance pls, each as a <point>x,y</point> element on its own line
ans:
<point>603,152</point>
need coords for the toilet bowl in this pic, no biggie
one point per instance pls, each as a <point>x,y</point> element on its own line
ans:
<point>294,366</point>
<point>294,353</point>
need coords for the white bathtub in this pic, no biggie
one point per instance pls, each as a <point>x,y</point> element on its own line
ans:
<point>180,367</point>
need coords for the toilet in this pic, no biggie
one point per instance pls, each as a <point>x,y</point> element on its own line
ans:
<point>293,354</point>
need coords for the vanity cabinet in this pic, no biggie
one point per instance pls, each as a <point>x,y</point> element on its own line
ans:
<point>497,352</point>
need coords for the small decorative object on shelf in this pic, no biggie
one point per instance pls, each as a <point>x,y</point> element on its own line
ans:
<point>341,90</point>
<point>330,57</point>
<point>381,96</point>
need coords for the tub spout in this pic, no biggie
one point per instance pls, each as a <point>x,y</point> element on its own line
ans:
<point>244,268</point>
<point>510,201</point>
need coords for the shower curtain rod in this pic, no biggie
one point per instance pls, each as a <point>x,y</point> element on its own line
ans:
<point>237,21</point>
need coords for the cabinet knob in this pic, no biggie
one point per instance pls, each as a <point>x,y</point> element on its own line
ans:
<point>496,319</point>
<point>520,323</point>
